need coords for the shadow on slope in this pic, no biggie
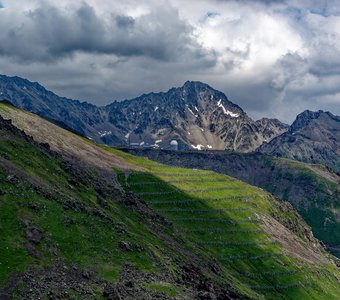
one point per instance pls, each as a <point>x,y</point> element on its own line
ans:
<point>313,190</point>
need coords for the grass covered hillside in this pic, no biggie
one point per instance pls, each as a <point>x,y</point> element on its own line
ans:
<point>131,228</point>
<point>313,190</point>
<point>66,233</point>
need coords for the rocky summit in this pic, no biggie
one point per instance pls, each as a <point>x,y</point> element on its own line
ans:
<point>313,137</point>
<point>195,115</point>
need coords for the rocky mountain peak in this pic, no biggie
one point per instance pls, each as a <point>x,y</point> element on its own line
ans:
<point>305,118</point>
<point>313,137</point>
<point>195,114</point>
<point>204,96</point>
<point>197,87</point>
<point>18,82</point>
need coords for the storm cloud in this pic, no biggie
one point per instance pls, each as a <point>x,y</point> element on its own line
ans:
<point>273,58</point>
<point>49,33</point>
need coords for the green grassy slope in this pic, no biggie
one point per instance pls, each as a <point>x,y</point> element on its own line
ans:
<point>181,232</point>
<point>321,206</point>
<point>313,190</point>
<point>222,216</point>
<point>46,217</point>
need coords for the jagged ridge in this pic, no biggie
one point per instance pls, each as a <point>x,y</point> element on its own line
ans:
<point>313,137</point>
<point>196,115</point>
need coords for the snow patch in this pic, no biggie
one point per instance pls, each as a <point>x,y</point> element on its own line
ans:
<point>189,133</point>
<point>156,108</point>
<point>227,112</point>
<point>209,146</point>
<point>142,143</point>
<point>158,141</point>
<point>127,135</point>
<point>192,111</point>
<point>198,147</point>
<point>234,115</point>
<point>196,108</point>
<point>104,133</point>
<point>90,138</point>
<point>202,129</point>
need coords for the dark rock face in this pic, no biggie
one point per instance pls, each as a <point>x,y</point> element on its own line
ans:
<point>125,246</point>
<point>196,115</point>
<point>56,282</point>
<point>314,137</point>
<point>34,235</point>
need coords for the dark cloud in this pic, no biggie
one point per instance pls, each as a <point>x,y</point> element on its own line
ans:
<point>49,33</point>
<point>124,21</point>
<point>325,61</point>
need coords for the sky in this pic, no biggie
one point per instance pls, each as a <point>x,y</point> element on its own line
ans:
<point>273,58</point>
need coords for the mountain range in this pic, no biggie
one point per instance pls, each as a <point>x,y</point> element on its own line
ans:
<point>196,115</point>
